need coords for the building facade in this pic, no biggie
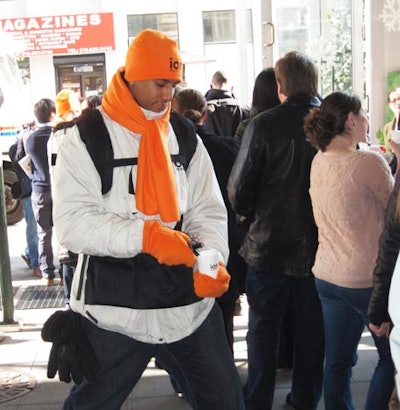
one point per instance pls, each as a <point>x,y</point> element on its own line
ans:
<point>79,44</point>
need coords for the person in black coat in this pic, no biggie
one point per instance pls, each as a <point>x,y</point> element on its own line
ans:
<point>265,97</point>
<point>268,188</point>
<point>224,111</point>
<point>223,151</point>
<point>389,247</point>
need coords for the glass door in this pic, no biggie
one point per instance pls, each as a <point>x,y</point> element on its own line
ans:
<point>85,74</point>
<point>326,30</point>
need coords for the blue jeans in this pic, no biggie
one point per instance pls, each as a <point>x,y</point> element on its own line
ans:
<point>31,233</point>
<point>268,294</point>
<point>345,317</point>
<point>201,363</point>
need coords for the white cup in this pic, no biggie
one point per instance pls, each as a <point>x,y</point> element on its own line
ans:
<point>207,262</point>
<point>395,136</point>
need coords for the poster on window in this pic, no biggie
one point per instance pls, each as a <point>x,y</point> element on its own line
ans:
<point>66,34</point>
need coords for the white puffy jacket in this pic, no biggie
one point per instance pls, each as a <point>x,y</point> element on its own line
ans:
<point>89,223</point>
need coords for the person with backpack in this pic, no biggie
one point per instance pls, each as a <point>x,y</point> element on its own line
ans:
<point>225,112</point>
<point>152,245</point>
<point>22,190</point>
<point>223,151</point>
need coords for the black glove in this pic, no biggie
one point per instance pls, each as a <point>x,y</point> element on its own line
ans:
<point>71,354</point>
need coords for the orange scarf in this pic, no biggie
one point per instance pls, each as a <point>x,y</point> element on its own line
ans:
<point>156,185</point>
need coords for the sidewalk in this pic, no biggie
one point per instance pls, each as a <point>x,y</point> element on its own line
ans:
<point>23,359</point>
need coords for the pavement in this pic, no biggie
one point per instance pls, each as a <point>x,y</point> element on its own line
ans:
<point>23,355</point>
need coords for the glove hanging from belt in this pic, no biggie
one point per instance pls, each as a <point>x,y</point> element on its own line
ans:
<point>71,354</point>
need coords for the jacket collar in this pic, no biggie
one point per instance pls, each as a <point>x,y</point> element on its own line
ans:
<point>303,99</point>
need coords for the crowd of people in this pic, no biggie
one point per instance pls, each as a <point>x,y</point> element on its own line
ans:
<point>34,186</point>
<point>173,203</point>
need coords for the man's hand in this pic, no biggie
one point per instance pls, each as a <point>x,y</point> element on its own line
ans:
<point>382,330</point>
<point>206,286</point>
<point>168,246</point>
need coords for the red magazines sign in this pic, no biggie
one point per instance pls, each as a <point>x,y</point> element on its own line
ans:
<point>69,34</point>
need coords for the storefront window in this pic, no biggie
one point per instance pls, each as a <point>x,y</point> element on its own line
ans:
<point>219,26</point>
<point>83,74</point>
<point>165,22</point>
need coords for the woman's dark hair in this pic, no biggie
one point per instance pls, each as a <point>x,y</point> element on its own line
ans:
<point>265,91</point>
<point>322,124</point>
<point>191,103</point>
<point>94,101</point>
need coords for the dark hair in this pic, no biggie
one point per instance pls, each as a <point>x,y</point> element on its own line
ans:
<point>297,74</point>
<point>43,110</point>
<point>94,101</point>
<point>323,124</point>
<point>265,91</point>
<point>191,103</point>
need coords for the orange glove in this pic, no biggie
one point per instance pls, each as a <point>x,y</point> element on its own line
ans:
<point>206,286</point>
<point>168,246</point>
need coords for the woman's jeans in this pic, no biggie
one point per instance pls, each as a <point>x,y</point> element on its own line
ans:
<point>345,317</point>
<point>201,363</point>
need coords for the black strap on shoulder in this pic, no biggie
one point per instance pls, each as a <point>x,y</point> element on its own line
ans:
<point>186,135</point>
<point>94,134</point>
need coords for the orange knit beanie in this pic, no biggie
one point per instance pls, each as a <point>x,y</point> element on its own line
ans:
<point>153,56</point>
<point>66,100</point>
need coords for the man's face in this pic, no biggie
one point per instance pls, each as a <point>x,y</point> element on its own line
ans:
<point>76,108</point>
<point>153,95</point>
<point>394,101</point>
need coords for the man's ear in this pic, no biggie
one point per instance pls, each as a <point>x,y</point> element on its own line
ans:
<point>282,97</point>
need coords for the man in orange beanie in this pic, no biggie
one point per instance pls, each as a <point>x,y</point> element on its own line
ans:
<point>67,105</point>
<point>151,249</point>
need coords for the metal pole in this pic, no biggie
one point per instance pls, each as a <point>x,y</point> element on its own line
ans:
<point>5,268</point>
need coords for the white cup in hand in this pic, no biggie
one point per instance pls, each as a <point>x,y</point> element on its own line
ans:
<point>207,262</point>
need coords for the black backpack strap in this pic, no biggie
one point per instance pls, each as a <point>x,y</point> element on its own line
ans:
<point>186,135</point>
<point>94,134</point>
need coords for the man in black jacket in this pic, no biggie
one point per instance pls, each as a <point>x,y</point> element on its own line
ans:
<point>225,112</point>
<point>268,189</point>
